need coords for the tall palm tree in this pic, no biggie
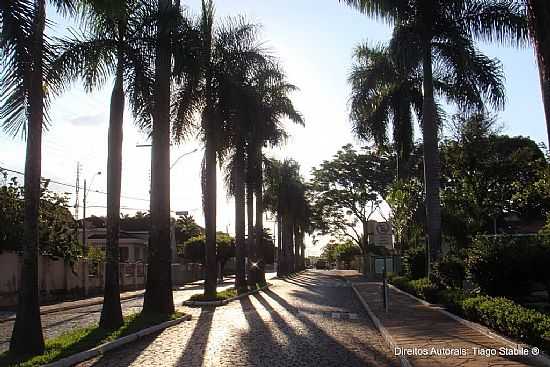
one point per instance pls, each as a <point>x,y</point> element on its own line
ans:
<point>443,32</point>
<point>273,104</point>
<point>167,45</point>
<point>223,50</point>
<point>384,92</point>
<point>538,12</point>
<point>26,56</point>
<point>111,45</point>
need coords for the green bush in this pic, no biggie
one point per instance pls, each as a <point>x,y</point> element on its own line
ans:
<point>504,315</point>
<point>414,263</point>
<point>508,266</point>
<point>500,314</point>
<point>450,271</point>
<point>422,288</point>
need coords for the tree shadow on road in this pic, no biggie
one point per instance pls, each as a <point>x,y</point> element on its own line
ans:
<point>197,343</point>
<point>322,341</point>
<point>291,341</point>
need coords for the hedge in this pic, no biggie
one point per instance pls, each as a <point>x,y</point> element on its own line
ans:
<point>500,314</point>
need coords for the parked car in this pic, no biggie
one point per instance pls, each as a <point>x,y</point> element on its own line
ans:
<point>321,264</point>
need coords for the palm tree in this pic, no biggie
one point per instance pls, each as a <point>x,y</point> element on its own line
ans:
<point>170,43</point>
<point>225,53</point>
<point>382,92</point>
<point>538,12</point>
<point>443,32</point>
<point>273,104</point>
<point>110,45</point>
<point>285,197</point>
<point>26,55</point>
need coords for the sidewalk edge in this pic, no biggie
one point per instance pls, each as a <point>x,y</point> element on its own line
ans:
<point>541,358</point>
<point>106,347</point>
<point>381,329</point>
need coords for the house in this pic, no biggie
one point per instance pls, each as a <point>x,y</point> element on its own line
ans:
<point>132,244</point>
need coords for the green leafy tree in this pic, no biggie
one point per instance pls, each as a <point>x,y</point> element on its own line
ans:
<point>194,249</point>
<point>346,191</point>
<point>405,200</point>
<point>186,227</point>
<point>56,227</point>
<point>488,177</point>
<point>439,35</point>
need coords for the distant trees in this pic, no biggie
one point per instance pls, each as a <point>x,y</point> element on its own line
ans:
<point>345,193</point>
<point>56,226</point>
<point>285,196</point>
<point>194,249</point>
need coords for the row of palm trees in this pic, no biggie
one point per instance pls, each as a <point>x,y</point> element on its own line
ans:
<point>285,197</point>
<point>182,77</point>
<point>433,55</point>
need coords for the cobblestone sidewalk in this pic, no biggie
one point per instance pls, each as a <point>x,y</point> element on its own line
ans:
<point>432,337</point>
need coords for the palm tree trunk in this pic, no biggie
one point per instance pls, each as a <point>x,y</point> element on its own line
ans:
<point>27,337</point>
<point>290,245</point>
<point>538,12</point>
<point>432,166</point>
<point>111,313</point>
<point>210,215</point>
<point>296,248</point>
<point>260,251</point>
<point>240,221</point>
<point>280,253</point>
<point>158,293</point>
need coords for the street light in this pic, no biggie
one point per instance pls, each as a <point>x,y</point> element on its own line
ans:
<point>86,189</point>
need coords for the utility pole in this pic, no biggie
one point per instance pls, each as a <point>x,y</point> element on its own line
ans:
<point>77,201</point>
<point>85,195</point>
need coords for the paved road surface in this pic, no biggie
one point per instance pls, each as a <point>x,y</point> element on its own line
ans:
<point>57,323</point>
<point>310,320</point>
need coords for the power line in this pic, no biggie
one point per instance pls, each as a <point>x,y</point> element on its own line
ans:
<point>73,186</point>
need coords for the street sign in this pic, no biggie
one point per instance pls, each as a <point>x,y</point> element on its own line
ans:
<point>383,236</point>
<point>182,212</point>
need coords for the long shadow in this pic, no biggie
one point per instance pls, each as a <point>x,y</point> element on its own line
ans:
<point>260,344</point>
<point>197,343</point>
<point>320,347</point>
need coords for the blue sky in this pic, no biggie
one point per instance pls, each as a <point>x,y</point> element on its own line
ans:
<point>314,40</point>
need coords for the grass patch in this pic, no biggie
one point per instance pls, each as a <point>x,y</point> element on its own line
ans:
<point>220,296</point>
<point>226,294</point>
<point>79,340</point>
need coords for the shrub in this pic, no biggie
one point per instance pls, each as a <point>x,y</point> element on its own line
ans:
<point>450,271</point>
<point>504,315</point>
<point>500,314</point>
<point>422,288</point>
<point>508,266</point>
<point>414,263</point>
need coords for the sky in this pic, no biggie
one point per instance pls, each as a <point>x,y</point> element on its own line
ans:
<point>314,40</point>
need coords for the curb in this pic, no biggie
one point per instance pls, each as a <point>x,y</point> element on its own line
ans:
<point>225,301</point>
<point>541,358</point>
<point>74,306</point>
<point>381,329</point>
<point>106,347</point>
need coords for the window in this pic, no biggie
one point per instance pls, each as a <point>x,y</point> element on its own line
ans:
<point>138,254</point>
<point>123,255</point>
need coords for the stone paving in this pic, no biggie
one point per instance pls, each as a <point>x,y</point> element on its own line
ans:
<point>313,319</point>
<point>418,328</point>
<point>56,323</point>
